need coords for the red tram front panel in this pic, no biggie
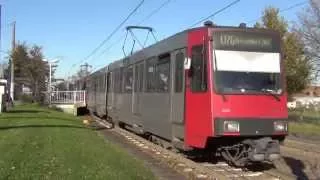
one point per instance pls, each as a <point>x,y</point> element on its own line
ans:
<point>198,104</point>
<point>212,98</point>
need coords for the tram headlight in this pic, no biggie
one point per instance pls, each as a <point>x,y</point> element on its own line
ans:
<point>280,126</point>
<point>231,126</point>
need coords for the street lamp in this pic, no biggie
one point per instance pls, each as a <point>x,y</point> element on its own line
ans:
<point>50,72</point>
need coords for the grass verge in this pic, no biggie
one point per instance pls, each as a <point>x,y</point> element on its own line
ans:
<point>305,129</point>
<point>305,123</point>
<point>39,143</point>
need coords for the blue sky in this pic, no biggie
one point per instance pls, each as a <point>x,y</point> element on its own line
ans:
<point>72,29</point>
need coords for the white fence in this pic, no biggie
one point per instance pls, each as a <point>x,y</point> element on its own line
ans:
<point>305,102</point>
<point>68,97</point>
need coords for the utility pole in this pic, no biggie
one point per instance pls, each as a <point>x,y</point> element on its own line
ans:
<point>12,63</point>
<point>84,71</point>
<point>51,64</point>
<point>85,68</point>
<point>49,87</point>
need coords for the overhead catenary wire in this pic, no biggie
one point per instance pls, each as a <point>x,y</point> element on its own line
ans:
<point>152,13</point>
<point>283,10</point>
<point>155,11</point>
<point>111,34</point>
<point>215,13</point>
<point>115,30</point>
<point>203,19</point>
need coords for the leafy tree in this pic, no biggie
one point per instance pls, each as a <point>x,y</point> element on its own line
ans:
<point>308,29</point>
<point>20,57</point>
<point>62,86</point>
<point>30,69</point>
<point>38,71</point>
<point>3,68</point>
<point>297,65</point>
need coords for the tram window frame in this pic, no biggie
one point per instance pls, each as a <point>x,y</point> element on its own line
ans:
<point>164,60</point>
<point>116,78</point>
<point>108,82</point>
<point>199,82</point>
<point>121,79</point>
<point>99,81</point>
<point>103,82</point>
<point>141,76</point>
<point>151,84</point>
<point>136,77</point>
<point>179,71</point>
<point>112,87</point>
<point>128,74</point>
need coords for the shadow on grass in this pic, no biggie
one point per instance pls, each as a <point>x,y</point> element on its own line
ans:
<point>42,117</point>
<point>296,167</point>
<point>95,128</point>
<point>26,111</point>
<point>42,126</point>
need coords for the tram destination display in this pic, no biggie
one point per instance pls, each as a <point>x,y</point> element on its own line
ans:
<point>245,41</point>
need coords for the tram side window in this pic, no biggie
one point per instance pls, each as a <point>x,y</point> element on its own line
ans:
<point>199,69</point>
<point>105,86</point>
<point>128,80</point>
<point>99,83</point>
<point>163,74</point>
<point>150,76</point>
<point>95,84</point>
<point>136,78</point>
<point>179,72</point>
<point>102,84</point>
<point>112,88</point>
<point>141,77</point>
<point>121,77</point>
<point>108,84</point>
<point>117,81</point>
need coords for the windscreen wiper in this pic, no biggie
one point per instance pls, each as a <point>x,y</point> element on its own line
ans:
<point>271,92</point>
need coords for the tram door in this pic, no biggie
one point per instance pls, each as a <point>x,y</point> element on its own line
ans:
<point>177,93</point>
<point>109,92</point>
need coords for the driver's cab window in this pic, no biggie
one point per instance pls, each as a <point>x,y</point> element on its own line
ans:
<point>198,69</point>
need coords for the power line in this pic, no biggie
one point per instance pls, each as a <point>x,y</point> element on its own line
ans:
<point>112,33</point>
<point>155,11</point>
<point>283,10</point>
<point>215,13</point>
<point>113,44</point>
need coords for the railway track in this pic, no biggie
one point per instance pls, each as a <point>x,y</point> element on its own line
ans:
<point>196,169</point>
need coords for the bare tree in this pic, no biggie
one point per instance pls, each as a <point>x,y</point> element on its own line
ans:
<point>308,29</point>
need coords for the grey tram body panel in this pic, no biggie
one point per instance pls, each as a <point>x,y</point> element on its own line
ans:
<point>161,113</point>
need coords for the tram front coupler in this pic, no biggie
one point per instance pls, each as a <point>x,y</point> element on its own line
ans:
<point>263,149</point>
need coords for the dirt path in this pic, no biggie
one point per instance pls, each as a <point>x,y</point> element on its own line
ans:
<point>301,158</point>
